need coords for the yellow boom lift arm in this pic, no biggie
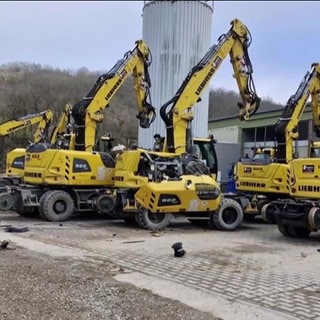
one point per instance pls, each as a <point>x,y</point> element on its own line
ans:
<point>177,113</point>
<point>87,113</point>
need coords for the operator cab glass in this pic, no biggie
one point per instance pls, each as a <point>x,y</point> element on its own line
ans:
<point>206,152</point>
<point>261,156</point>
<point>315,152</point>
<point>105,144</point>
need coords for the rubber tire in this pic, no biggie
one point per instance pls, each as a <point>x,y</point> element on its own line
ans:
<point>260,204</point>
<point>143,220</point>
<point>298,232</point>
<point>227,206</point>
<point>267,216</point>
<point>7,201</point>
<point>42,200</point>
<point>294,232</point>
<point>52,198</point>
<point>283,230</point>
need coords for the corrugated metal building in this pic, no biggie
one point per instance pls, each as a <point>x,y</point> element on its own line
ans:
<point>178,34</point>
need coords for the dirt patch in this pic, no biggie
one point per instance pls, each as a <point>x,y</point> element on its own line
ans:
<point>35,286</point>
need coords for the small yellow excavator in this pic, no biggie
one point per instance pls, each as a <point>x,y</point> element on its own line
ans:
<point>144,185</point>
<point>275,177</point>
<point>298,214</point>
<point>180,180</point>
<point>71,175</point>
<point>15,158</point>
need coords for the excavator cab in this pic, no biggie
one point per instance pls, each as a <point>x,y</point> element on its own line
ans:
<point>105,144</point>
<point>15,160</point>
<point>205,150</point>
<point>202,148</point>
<point>314,151</point>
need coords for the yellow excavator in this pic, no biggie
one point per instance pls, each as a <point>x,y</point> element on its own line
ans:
<point>15,158</point>
<point>161,186</point>
<point>298,214</point>
<point>271,178</point>
<point>13,125</point>
<point>142,184</point>
<point>72,175</point>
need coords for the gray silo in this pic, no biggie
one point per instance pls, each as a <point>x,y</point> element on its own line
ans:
<point>178,34</point>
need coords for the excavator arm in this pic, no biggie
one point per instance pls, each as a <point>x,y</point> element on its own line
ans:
<point>286,129</point>
<point>44,119</point>
<point>62,137</point>
<point>177,113</point>
<point>315,98</point>
<point>87,113</point>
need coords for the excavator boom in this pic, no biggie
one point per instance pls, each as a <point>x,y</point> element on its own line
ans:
<point>87,113</point>
<point>177,113</point>
<point>43,119</point>
<point>286,129</point>
<point>283,176</point>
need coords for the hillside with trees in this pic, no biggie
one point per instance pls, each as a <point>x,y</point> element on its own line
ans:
<point>229,100</point>
<point>30,88</point>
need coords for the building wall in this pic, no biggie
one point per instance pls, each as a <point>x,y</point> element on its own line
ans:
<point>226,134</point>
<point>178,34</point>
<point>249,134</point>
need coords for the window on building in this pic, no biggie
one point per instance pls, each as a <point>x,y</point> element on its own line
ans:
<point>248,135</point>
<point>270,133</point>
<point>260,135</point>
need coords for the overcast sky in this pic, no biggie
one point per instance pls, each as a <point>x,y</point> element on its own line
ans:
<point>95,34</point>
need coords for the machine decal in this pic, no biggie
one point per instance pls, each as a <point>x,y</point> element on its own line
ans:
<point>308,168</point>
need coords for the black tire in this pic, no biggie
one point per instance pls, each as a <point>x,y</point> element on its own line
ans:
<point>42,200</point>
<point>298,232</point>
<point>152,221</point>
<point>260,204</point>
<point>229,215</point>
<point>294,232</point>
<point>268,212</point>
<point>283,229</point>
<point>6,201</point>
<point>57,205</point>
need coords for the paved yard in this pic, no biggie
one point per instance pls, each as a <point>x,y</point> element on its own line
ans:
<point>251,273</point>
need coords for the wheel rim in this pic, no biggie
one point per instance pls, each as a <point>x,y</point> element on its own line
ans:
<point>60,207</point>
<point>6,201</point>
<point>229,215</point>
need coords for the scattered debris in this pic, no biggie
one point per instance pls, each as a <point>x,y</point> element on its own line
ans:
<point>7,245</point>
<point>155,234</point>
<point>4,244</point>
<point>134,241</point>
<point>15,229</point>
<point>5,225</point>
<point>178,250</point>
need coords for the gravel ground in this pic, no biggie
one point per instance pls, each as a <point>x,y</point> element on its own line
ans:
<point>35,286</point>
